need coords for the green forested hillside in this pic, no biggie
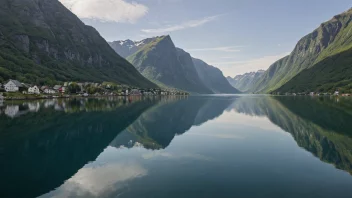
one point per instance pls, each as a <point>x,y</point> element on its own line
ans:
<point>42,42</point>
<point>331,38</point>
<point>331,74</point>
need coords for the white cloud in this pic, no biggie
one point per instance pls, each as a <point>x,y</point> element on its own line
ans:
<point>107,10</point>
<point>99,180</point>
<point>220,49</point>
<point>233,68</point>
<point>184,25</point>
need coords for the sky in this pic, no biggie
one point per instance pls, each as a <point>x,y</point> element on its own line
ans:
<point>237,36</point>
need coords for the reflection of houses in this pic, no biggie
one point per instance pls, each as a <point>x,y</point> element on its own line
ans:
<point>33,90</point>
<point>49,103</point>
<point>13,86</point>
<point>12,111</point>
<point>34,107</point>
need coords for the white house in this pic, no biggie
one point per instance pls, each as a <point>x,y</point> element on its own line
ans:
<point>13,86</point>
<point>49,91</point>
<point>336,93</point>
<point>33,90</point>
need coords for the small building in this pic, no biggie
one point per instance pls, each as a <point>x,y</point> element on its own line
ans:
<point>33,90</point>
<point>336,93</point>
<point>57,87</point>
<point>49,91</point>
<point>311,93</point>
<point>42,88</point>
<point>13,86</point>
<point>62,89</point>
<point>135,92</point>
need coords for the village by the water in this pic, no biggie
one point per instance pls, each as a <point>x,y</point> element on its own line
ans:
<point>16,90</point>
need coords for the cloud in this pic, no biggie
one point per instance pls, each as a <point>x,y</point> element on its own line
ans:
<point>233,68</point>
<point>184,25</point>
<point>107,10</point>
<point>99,180</point>
<point>220,49</point>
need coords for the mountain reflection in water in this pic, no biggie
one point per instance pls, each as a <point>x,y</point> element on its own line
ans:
<point>45,143</point>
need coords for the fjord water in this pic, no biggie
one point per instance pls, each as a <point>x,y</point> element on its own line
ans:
<point>197,146</point>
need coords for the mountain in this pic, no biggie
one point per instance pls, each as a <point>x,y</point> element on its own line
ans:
<point>161,62</point>
<point>331,74</point>
<point>192,74</point>
<point>213,78</point>
<point>41,41</point>
<point>326,43</point>
<point>246,81</point>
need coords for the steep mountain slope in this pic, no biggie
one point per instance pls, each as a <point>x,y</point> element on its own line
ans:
<point>246,81</point>
<point>161,62</point>
<point>42,42</point>
<point>331,74</point>
<point>331,38</point>
<point>213,78</point>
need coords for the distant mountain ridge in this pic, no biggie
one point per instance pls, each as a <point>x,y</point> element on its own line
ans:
<point>41,41</point>
<point>245,81</point>
<point>161,62</point>
<point>330,39</point>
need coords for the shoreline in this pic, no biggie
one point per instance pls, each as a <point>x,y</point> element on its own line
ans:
<point>67,97</point>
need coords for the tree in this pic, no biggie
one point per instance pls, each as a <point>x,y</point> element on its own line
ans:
<point>74,88</point>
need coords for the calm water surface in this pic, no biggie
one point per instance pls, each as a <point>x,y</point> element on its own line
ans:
<point>223,146</point>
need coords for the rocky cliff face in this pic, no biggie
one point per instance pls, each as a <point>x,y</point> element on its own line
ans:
<point>330,38</point>
<point>246,81</point>
<point>41,39</point>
